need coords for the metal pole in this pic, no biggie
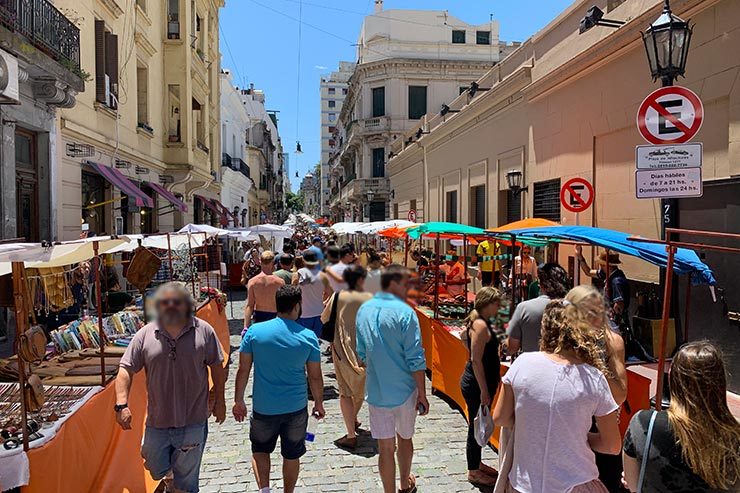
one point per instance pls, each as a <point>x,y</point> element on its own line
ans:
<point>406,254</point>
<point>190,266</point>
<point>664,327</point>
<point>205,252</point>
<point>21,321</point>
<point>686,312</point>
<point>465,273</point>
<point>577,273</point>
<point>99,298</point>
<point>436,277</point>
<point>169,254</point>
<point>218,259</point>
<point>607,286</point>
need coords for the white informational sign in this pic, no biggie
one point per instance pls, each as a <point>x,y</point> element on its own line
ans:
<point>670,156</point>
<point>668,183</point>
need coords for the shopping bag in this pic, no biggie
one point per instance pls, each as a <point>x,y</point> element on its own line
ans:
<point>483,424</point>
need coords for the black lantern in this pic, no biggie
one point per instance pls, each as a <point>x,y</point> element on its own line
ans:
<point>667,46</point>
<point>514,181</point>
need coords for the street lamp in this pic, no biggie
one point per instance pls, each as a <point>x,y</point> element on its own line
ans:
<point>667,45</point>
<point>514,181</point>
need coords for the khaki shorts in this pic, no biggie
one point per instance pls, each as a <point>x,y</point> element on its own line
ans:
<point>387,422</point>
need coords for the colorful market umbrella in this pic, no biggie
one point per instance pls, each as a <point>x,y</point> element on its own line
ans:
<point>443,228</point>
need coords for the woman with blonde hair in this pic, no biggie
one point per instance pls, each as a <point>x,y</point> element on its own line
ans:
<point>549,399</point>
<point>481,376</point>
<point>591,311</point>
<point>694,445</point>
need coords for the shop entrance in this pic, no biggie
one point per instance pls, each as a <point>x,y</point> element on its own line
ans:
<point>717,210</point>
<point>27,186</point>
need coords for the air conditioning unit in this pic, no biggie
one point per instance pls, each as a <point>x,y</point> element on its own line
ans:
<point>9,93</point>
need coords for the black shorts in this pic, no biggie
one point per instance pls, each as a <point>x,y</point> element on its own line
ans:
<point>264,430</point>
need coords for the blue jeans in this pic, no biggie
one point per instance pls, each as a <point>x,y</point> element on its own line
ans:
<point>179,450</point>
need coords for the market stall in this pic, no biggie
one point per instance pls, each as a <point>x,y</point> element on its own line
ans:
<point>67,424</point>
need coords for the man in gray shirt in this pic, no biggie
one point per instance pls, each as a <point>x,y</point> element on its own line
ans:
<point>526,322</point>
<point>176,353</point>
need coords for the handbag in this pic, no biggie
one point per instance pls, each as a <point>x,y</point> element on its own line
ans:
<point>32,344</point>
<point>142,268</point>
<point>483,425</point>
<point>330,327</point>
<point>34,394</point>
<point>646,452</point>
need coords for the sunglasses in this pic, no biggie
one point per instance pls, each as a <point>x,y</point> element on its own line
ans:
<point>171,302</point>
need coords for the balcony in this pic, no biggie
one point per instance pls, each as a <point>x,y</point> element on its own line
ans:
<point>356,189</point>
<point>375,125</point>
<point>46,28</point>
<point>235,163</point>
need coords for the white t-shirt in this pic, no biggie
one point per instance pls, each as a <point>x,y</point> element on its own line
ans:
<point>554,406</point>
<point>338,269</point>
<point>312,292</point>
<point>372,281</point>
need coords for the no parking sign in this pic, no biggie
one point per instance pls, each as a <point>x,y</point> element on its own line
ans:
<point>670,115</point>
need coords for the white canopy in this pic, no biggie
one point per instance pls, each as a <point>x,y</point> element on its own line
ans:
<point>369,228</point>
<point>176,241</point>
<point>204,228</point>
<point>346,228</point>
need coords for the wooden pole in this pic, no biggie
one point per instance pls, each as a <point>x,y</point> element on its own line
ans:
<point>663,326</point>
<point>436,277</point>
<point>99,298</point>
<point>465,273</point>
<point>21,324</point>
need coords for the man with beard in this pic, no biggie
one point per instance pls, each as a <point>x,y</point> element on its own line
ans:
<point>176,352</point>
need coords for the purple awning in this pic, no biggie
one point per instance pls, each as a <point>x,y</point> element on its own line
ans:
<point>115,177</point>
<point>169,196</point>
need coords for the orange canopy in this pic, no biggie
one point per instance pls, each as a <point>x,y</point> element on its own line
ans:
<point>533,222</point>
<point>394,232</point>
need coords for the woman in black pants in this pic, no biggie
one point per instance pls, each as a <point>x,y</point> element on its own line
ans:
<point>481,376</point>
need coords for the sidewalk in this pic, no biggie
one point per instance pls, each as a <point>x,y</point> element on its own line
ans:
<point>439,460</point>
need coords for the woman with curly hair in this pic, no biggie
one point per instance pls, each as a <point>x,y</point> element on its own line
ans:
<point>549,398</point>
<point>695,444</point>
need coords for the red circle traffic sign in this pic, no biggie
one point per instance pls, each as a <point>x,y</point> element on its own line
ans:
<point>412,215</point>
<point>670,115</point>
<point>577,195</point>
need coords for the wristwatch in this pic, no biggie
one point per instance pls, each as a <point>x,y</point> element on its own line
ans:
<point>120,407</point>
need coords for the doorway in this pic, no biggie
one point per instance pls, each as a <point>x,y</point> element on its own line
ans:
<point>27,185</point>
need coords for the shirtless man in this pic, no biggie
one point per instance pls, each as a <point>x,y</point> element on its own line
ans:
<point>261,291</point>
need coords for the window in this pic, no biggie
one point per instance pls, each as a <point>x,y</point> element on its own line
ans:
<point>332,90</point>
<point>173,19</point>
<point>332,117</point>
<point>547,200</point>
<point>199,126</point>
<point>106,65</point>
<point>412,205</point>
<point>513,207</point>
<point>344,90</point>
<point>378,101</point>
<point>417,102</point>
<point>332,104</point>
<point>379,162</point>
<point>478,206</point>
<point>173,93</point>
<point>142,95</point>
<point>395,210</point>
<point>332,129</point>
<point>483,37</point>
<point>377,211</point>
<point>458,37</point>
<point>451,206</point>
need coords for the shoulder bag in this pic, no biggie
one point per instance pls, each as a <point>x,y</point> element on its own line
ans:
<point>34,394</point>
<point>329,328</point>
<point>646,452</point>
<point>32,344</point>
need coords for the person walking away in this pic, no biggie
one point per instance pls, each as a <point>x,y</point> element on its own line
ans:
<point>350,373</point>
<point>549,398</point>
<point>490,269</point>
<point>315,288</point>
<point>346,257</point>
<point>389,343</point>
<point>252,265</point>
<point>317,245</point>
<point>374,270</point>
<point>261,290</point>
<point>176,352</point>
<point>591,310</point>
<point>695,443</point>
<point>524,328</point>
<point>481,376</point>
<point>286,268</point>
<point>283,354</point>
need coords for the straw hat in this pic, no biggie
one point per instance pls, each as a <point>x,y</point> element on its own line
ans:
<point>613,258</point>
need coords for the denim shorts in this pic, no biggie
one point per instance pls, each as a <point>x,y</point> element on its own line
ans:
<point>179,450</point>
<point>264,430</point>
<point>312,323</point>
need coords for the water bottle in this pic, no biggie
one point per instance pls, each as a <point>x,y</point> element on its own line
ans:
<point>313,423</point>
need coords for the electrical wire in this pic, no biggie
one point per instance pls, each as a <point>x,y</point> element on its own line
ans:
<point>298,90</point>
<point>231,55</point>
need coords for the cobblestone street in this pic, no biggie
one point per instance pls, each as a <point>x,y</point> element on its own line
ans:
<point>439,461</point>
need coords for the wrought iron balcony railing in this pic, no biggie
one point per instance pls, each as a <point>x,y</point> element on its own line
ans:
<point>45,27</point>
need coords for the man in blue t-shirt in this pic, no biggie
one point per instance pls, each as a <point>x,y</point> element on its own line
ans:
<point>282,352</point>
<point>316,246</point>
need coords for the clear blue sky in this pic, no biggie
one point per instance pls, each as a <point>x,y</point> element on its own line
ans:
<point>259,43</point>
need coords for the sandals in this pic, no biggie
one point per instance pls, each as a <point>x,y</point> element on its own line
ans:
<point>412,488</point>
<point>346,442</point>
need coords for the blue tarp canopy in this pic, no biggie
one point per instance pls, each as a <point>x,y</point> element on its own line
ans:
<point>685,261</point>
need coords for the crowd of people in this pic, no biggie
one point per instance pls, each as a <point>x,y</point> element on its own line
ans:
<point>558,403</point>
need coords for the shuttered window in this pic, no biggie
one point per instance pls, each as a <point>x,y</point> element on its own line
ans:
<point>478,206</point>
<point>513,207</point>
<point>452,206</point>
<point>547,200</point>
<point>378,162</point>
<point>106,65</point>
<point>417,102</point>
<point>378,101</point>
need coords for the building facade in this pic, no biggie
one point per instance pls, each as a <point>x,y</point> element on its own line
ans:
<point>409,62</point>
<point>40,61</point>
<point>564,105</point>
<point>333,91</point>
<point>310,192</point>
<point>140,152</point>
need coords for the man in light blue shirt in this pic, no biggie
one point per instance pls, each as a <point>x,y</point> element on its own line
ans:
<point>389,344</point>
<point>282,352</point>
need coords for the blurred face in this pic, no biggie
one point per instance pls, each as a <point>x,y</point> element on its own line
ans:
<point>400,288</point>
<point>172,309</point>
<point>490,310</point>
<point>526,251</point>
